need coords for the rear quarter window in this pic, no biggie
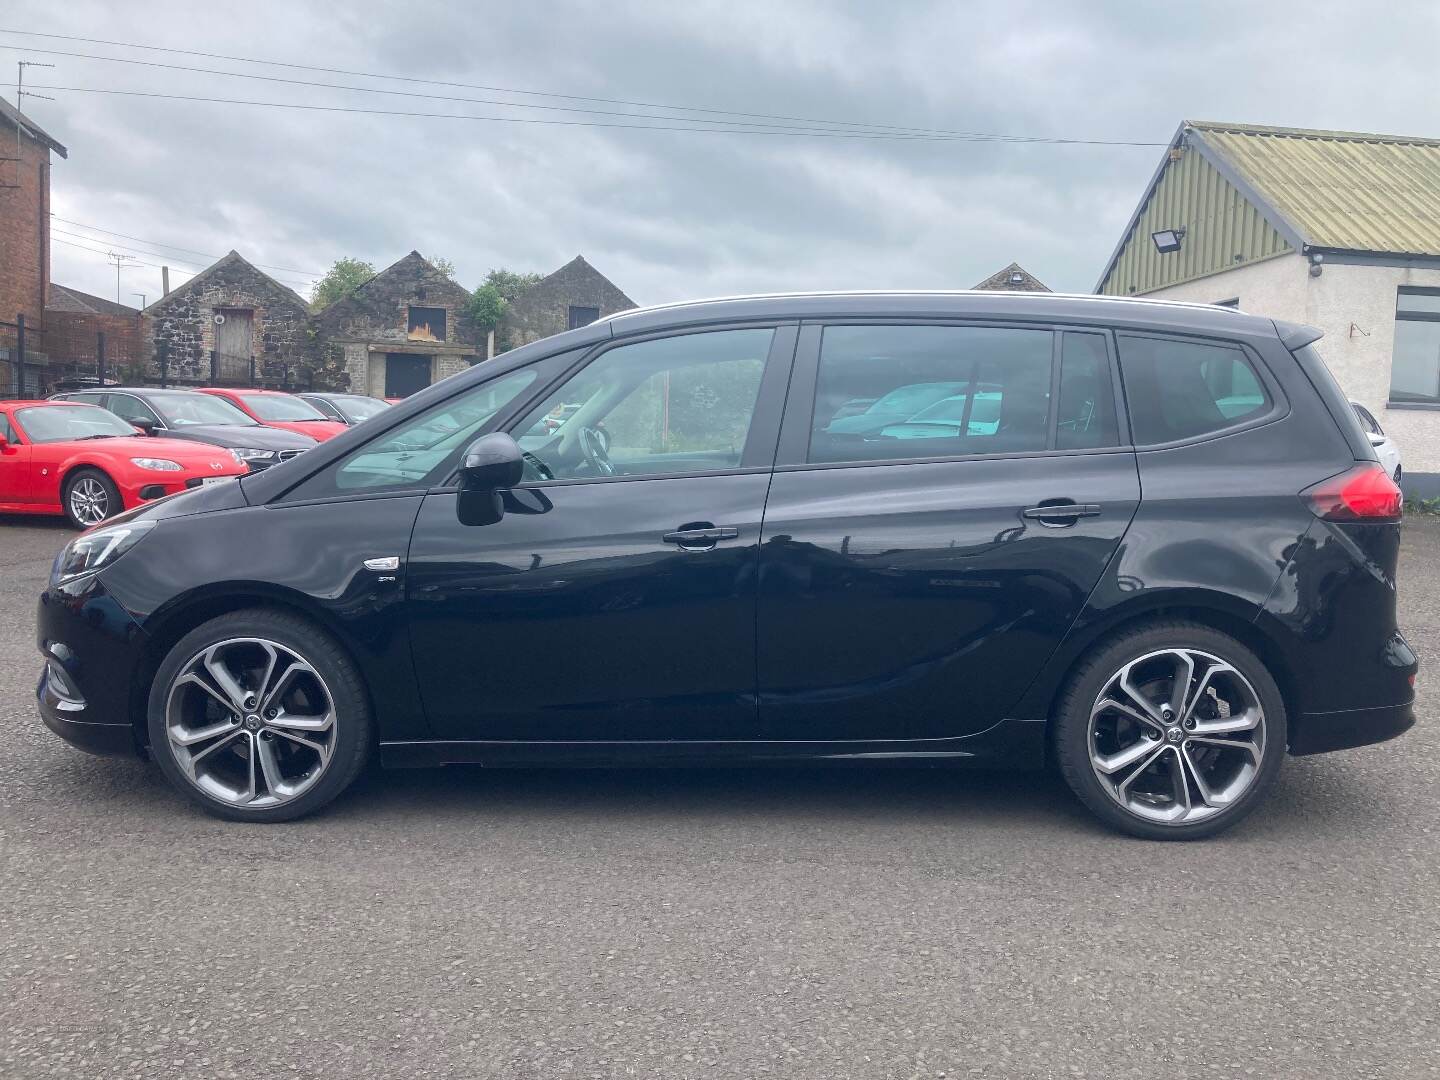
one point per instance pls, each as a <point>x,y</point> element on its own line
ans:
<point>1178,389</point>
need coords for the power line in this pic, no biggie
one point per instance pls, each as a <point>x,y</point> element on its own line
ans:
<point>102,251</point>
<point>799,133</point>
<point>966,136</point>
<point>170,259</point>
<point>172,247</point>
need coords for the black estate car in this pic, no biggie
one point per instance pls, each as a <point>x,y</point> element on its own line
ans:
<point>347,408</point>
<point>184,414</point>
<point>1147,542</point>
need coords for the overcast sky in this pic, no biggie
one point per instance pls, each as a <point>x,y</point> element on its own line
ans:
<point>670,214</point>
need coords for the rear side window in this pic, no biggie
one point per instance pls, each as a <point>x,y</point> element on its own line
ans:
<point>1180,389</point>
<point>1086,413</point>
<point>906,392</point>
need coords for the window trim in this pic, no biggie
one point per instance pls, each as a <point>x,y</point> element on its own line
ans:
<point>1279,403</point>
<point>794,448</point>
<point>1432,402</point>
<point>154,415</point>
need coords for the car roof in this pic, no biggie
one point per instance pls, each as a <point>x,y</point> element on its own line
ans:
<point>21,404</point>
<point>971,303</point>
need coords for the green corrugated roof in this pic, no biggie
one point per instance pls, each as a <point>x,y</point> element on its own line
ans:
<point>1340,189</point>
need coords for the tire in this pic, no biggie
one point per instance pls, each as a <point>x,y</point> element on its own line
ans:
<point>281,739</point>
<point>1178,755</point>
<point>88,493</point>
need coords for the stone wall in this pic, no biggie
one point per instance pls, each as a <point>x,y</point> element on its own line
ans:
<point>544,308</point>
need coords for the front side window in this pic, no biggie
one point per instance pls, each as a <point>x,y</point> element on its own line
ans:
<point>1415,365</point>
<point>672,405</point>
<point>131,409</point>
<point>61,423</point>
<point>890,392</point>
<point>1179,389</point>
<point>282,407</point>
<point>356,407</point>
<point>184,409</point>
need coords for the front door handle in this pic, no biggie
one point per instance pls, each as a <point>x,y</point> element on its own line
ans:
<point>1057,513</point>
<point>701,536</point>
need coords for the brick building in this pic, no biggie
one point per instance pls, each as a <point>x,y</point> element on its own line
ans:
<point>575,295</point>
<point>226,318</point>
<point>25,151</point>
<point>74,324</point>
<point>402,330</point>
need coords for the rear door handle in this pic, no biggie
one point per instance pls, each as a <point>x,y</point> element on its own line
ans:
<point>1061,513</point>
<point>698,538</point>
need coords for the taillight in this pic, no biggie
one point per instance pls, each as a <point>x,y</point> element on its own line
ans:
<point>1364,493</point>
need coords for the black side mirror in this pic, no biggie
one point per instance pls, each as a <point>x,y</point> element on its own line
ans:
<point>492,463</point>
<point>147,427</point>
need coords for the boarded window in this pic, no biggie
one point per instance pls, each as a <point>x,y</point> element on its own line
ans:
<point>427,324</point>
<point>581,316</point>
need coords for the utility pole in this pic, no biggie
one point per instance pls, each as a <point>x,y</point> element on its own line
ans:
<point>119,260</point>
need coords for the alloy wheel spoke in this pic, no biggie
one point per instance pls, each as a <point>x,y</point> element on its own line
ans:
<point>1124,785</point>
<point>301,722</point>
<point>1113,763</point>
<point>1116,705</point>
<point>1134,693</point>
<point>1248,747</point>
<point>251,788</point>
<point>1180,684</point>
<point>270,766</point>
<point>277,691</point>
<point>1246,720</point>
<point>1207,796</point>
<point>192,678</point>
<point>224,678</point>
<point>224,740</point>
<point>194,736</point>
<point>1179,781</point>
<point>321,749</point>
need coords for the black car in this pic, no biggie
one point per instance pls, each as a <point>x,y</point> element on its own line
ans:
<point>184,414</point>
<point>347,408</point>
<point>1164,558</point>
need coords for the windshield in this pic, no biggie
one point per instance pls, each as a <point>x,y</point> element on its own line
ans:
<point>282,407</point>
<point>59,423</point>
<point>181,410</point>
<point>357,407</point>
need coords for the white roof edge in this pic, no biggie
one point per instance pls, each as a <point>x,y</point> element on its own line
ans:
<point>1093,297</point>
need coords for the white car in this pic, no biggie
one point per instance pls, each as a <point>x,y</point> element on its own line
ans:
<point>1385,447</point>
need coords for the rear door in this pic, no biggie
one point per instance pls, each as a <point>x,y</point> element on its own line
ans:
<point>916,573</point>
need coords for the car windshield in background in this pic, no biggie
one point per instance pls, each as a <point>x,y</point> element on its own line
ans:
<point>51,423</point>
<point>357,407</point>
<point>183,410</point>
<point>282,407</point>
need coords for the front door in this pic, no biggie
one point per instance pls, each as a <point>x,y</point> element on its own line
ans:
<point>615,599</point>
<point>233,344</point>
<point>934,525</point>
<point>15,486</point>
<point>405,374</point>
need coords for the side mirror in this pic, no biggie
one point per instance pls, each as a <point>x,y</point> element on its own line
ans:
<point>145,427</point>
<point>491,463</point>
<point>1376,440</point>
<point>4,442</point>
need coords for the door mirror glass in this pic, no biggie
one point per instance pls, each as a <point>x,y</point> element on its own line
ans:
<point>1376,440</point>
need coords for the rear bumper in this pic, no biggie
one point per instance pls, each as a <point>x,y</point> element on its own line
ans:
<point>1319,733</point>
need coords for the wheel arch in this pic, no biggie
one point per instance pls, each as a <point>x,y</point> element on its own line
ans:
<point>168,625</point>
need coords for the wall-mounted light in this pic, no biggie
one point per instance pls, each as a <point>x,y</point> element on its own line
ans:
<point>1168,240</point>
<point>1316,269</point>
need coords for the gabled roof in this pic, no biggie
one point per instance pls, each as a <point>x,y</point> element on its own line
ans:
<point>1335,191</point>
<point>64,298</point>
<point>1013,278</point>
<point>15,118</point>
<point>230,259</point>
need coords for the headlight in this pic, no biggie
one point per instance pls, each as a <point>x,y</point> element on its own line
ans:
<point>245,456</point>
<point>159,464</point>
<point>96,550</point>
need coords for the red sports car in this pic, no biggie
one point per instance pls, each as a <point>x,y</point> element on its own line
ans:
<point>278,410</point>
<point>59,457</point>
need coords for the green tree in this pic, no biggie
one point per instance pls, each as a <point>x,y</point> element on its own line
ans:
<point>509,284</point>
<point>340,281</point>
<point>489,302</point>
<point>444,265</point>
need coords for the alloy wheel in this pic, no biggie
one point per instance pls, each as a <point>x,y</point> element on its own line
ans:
<point>1176,736</point>
<point>250,722</point>
<point>89,501</point>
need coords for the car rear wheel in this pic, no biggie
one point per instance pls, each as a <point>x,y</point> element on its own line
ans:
<point>1172,731</point>
<point>259,716</point>
<point>89,498</point>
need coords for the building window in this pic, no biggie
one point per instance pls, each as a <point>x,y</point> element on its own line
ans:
<point>1415,365</point>
<point>581,316</point>
<point>427,324</point>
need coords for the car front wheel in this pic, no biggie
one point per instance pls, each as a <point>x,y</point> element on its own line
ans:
<point>1172,731</point>
<point>89,498</point>
<point>259,716</point>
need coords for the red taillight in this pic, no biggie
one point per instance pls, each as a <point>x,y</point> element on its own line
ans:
<point>1364,493</point>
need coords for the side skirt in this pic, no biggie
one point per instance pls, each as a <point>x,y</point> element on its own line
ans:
<point>1008,744</point>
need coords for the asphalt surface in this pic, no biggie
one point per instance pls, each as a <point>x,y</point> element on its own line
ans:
<point>731,923</point>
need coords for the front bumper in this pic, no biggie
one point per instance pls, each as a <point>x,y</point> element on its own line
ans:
<point>108,739</point>
<point>1319,733</point>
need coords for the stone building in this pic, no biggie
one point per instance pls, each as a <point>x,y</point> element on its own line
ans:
<point>230,314</point>
<point>402,330</point>
<point>575,295</point>
<point>1014,278</point>
<point>24,240</point>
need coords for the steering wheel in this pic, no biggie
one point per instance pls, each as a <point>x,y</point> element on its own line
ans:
<point>596,447</point>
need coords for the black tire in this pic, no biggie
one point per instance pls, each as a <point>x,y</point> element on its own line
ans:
<point>94,480</point>
<point>1071,725</point>
<point>353,725</point>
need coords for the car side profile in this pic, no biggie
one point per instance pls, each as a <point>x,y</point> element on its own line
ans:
<point>87,464</point>
<point>204,418</point>
<point>279,410</point>
<point>1145,542</point>
<point>1386,451</point>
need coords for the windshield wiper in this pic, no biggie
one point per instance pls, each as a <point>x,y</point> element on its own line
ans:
<point>87,438</point>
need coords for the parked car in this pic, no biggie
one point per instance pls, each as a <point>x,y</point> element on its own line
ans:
<point>279,410</point>
<point>1385,448</point>
<point>346,408</point>
<point>88,464</point>
<point>184,414</point>
<point>1118,577</point>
